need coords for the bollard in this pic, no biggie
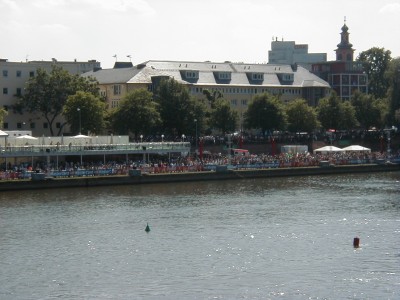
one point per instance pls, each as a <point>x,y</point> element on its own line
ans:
<point>356,242</point>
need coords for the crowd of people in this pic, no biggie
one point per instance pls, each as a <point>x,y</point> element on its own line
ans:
<point>209,162</point>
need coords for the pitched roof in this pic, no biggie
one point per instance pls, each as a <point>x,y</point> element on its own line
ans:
<point>240,74</point>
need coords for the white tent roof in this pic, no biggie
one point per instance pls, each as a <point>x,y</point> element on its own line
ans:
<point>328,149</point>
<point>2,133</point>
<point>356,148</point>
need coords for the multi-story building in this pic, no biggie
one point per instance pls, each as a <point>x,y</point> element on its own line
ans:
<point>289,53</point>
<point>344,75</point>
<point>237,82</point>
<point>13,78</point>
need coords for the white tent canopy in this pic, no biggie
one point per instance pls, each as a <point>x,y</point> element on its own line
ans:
<point>328,149</point>
<point>356,148</point>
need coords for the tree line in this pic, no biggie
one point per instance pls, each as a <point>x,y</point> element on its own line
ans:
<point>170,109</point>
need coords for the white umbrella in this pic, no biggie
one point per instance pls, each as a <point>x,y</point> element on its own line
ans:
<point>26,137</point>
<point>357,148</point>
<point>328,149</point>
<point>4,135</point>
<point>80,136</point>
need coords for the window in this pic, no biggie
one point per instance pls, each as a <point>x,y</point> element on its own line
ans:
<point>5,73</point>
<point>5,107</point>
<point>19,73</point>
<point>19,91</point>
<point>234,102</point>
<point>31,73</point>
<point>244,102</point>
<point>45,125</point>
<point>19,125</point>
<point>224,75</point>
<point>58,125</point>
<point>5,91</point>
<point>5,125</point>
<point>257,76</point>
<point>32,125</point>
<point>117,89</point>
<point>192,74</point>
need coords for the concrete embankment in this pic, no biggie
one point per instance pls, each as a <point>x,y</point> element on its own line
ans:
<point>51,183</point>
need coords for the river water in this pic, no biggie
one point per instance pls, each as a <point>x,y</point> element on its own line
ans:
<point>274,238</point>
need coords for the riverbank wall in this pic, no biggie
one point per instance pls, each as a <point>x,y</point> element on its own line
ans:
<point>222,174</point>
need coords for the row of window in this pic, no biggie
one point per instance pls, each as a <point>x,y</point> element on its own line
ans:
<point>18,73</point>
<point>274,91</point>
<point>18,91</point>
<point>32,125</point>
<point>234,102</point>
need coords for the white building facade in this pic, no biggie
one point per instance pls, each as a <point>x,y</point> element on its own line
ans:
<point>13,78</point>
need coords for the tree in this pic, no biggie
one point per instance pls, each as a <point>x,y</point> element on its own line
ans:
<point>301,116</point>
<point>223,117</point>
<point>177,109</point>
<point>85,112</point>
<point>367,111</point>
<point>3,113</point>
<point>265,112</point>
<point>137,113</point>
<point>393,76</point>
<point>47,93</point>
<point>213,96</point>
<point>376,62</point>
<point>335,114</point>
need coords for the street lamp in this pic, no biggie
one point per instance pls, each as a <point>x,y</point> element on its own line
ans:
<point>195,120</point>
<point>162,138</point>
<point>183,137</point>
<point>80,120</point>
<point>141,138</point>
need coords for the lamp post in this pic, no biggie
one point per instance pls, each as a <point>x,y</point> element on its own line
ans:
<point>183,138</point>
<point>141,138</point>
<point>80,120</point>
<point>162,138</point>
<point>195,120</point>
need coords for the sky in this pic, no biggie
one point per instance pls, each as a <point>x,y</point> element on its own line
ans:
<point>189,30</point>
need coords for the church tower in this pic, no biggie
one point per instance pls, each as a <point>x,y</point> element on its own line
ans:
<point>344,52</point>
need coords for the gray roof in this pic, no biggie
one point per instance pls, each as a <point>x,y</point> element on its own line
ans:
<point>240,74</point>
<point>110,76</point>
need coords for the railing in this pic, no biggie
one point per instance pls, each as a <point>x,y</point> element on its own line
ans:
<point>32,150</point>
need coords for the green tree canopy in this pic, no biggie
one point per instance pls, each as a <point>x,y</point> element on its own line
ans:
<point>333,113</point>
<point>301,116</point>
<point>177,109</point>
<point>223,117</point>
<point>393,76</point>
<point>85,112</point>
<point>265,112</point>
<point>212,96</point>
<point>3,113</point>
<point>47,93</point>
<point>368,112</point>
<point>376,62</point>
<point>137,113</point>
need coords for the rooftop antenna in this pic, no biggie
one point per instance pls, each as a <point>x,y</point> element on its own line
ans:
<point>344,19</point>
<point>115,55</point>
<point>130,57</point>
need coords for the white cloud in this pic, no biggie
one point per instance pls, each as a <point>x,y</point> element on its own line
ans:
<point>54,28</point>
<point>12,5</point>
<point>393,8</point>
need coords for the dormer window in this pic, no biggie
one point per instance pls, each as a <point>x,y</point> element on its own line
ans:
<point>192,74</point>
<point>224,75</point>
<point>257,76</point>
<point>286,77</point>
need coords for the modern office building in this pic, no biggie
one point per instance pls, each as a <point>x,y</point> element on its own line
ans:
<point>237,82</point>
<point>289,53</point>
<point>13,78</point>
<point>345,75</point>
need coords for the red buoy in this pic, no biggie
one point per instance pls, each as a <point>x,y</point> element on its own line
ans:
<point>356,242</point>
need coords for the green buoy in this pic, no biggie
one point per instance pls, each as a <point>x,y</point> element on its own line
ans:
<point>147,228</point>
